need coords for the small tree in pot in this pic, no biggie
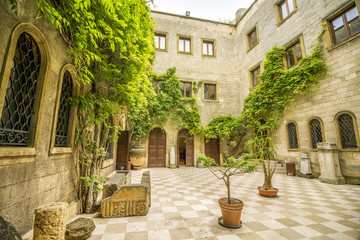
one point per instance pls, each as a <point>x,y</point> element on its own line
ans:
<point>230,207</point>
<point>264,151</point>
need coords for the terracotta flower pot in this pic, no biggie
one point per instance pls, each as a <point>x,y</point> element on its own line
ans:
<point>137,158</point>
<point>268,193</point>
<point>231,213</point>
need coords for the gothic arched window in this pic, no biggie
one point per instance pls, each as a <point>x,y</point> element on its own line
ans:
<point>20,95</point>
<point>316,132</point>
<point>293,136</point>
<point>62,126</point>
<point>346,131</point>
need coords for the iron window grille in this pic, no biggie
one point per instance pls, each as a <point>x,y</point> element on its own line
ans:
<point>315,133</point>
<point>109,143</point>
<point>20,94</point>
<point>62,126</point>
<point>347,131</point>
<point>293,138</point>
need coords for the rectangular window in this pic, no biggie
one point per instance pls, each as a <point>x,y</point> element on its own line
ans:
<point>287,7</point>
<point>345,25</point>
<point>160,41</point>
<point>184,45</point>
<point>294,54</point>
<point>254,75</point>
<point>157,86</point>
<point>210,91</point>
<point>252,38</point>
<point>185,89</point>
<point>284,8</point>
<point>208,48</point>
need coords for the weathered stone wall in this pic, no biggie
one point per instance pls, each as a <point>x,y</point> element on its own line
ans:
<point>220,70</point>
<point>338,91</point>
<point>33,176</point>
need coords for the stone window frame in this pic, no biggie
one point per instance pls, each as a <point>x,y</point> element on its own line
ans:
<point>279,18</point>
<point>162,34</point>
<point>355,130</point>
<point>329,37</point>
<point>248,44</point>
<point>298,39</point>
<point>73,112</point>
<point>309,131</point>
<point>191,90</point>
<point>213,42</point>
<point>185,37</point>
<point>250,73</point>
<point>297,136</point>
<point>39,104</point>
<point>216,91</point>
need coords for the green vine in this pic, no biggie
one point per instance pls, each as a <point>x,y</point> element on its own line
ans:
<point>278,87</point>
<point>197,85</point>
<point>167,105</point>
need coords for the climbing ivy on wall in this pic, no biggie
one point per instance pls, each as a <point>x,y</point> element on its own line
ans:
<point>111,43</point>
<point>167,105</point>
<point>278,87</point>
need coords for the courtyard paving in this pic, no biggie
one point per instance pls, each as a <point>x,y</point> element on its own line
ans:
<point>184,206</point>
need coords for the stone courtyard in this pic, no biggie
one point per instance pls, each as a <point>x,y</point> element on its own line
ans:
<point>184,206</point>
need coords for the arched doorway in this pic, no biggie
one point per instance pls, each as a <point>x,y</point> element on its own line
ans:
<point>212,149</point>
<point>185,148</point>
<point>157,148</point>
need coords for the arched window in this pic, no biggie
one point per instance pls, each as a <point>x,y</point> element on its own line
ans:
<point>316,132</point>
<point>293,136</point>
<point>20,95</point>
<point>62,126</point>
<point>346,131</point>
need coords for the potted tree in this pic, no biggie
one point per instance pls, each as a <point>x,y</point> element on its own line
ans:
<point>263,152</point>
<point>230,207</point>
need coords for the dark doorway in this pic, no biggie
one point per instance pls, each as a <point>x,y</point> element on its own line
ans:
<point>185,149</point>
<point>157,148</point>
<point>122,157</point>
<point>212,149</point>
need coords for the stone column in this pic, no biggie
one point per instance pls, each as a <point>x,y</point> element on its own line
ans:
<point>172,157</point>
<point>50,221</point>
<point>305,166</point>
<point>329,163</point>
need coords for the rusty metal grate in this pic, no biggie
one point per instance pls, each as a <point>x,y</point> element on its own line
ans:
<point>315,133</point>
<point>62,125</point>
<point>293,140</point>
<point>346,131</point>
<point>20,94</point>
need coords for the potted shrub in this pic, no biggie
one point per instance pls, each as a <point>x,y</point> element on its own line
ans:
<point>263,152</point>
<point>230,207</point>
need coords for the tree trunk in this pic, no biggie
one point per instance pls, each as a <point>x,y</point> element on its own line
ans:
<point>94,163</point>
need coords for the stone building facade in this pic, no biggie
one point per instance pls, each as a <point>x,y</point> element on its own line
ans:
<point>329,113</point>
<point>223,59</point>
<point>37,162</point>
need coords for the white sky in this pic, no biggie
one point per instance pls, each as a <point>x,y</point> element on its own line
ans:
<point>218,10</point>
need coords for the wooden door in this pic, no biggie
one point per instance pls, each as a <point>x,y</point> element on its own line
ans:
<point>122,150</point>
<point>212,149</point>
<point>189,151</point>
<point>157,148</point>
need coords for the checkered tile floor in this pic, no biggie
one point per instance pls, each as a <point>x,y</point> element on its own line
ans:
<point>184,206</point>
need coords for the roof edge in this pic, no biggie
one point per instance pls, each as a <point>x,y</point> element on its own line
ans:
<point>194,18</point>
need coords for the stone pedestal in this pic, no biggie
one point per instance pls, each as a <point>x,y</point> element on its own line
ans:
<point>329,163</point>
<point>305,166</point>
<point>50,221</point>
<point>172,157</point>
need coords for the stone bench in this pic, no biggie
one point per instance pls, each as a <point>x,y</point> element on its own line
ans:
<point>129,200</point>
<point>115,182</point>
